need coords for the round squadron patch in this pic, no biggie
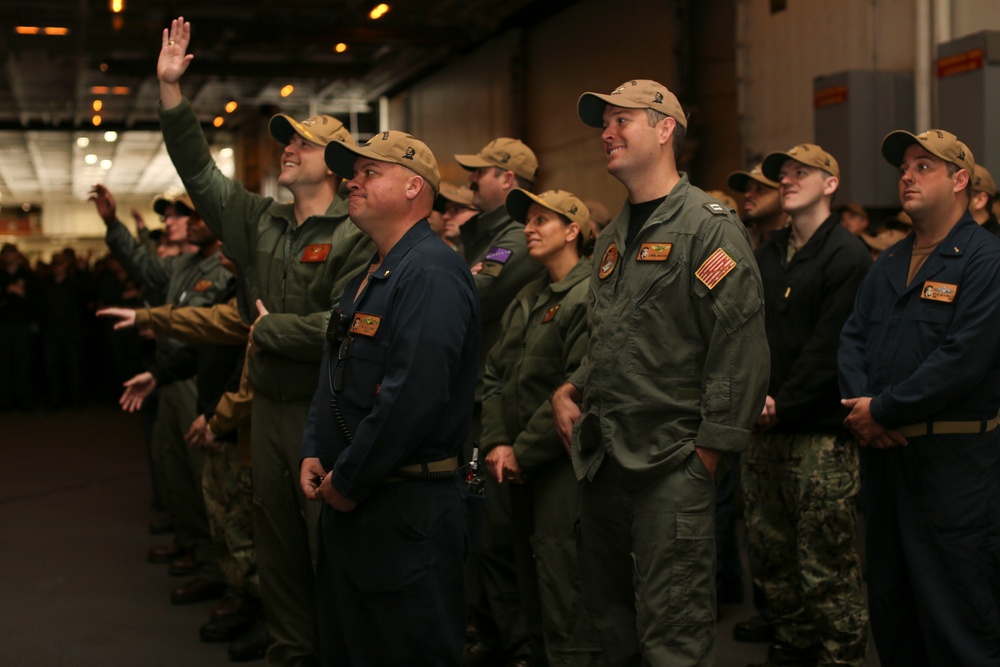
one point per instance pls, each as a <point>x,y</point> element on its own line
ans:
<point>608,262</point>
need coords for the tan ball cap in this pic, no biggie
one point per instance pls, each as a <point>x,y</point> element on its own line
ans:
<point>635,94</point>
<point>459,194</point>
<point>983,182</point>
<point>392,146</point>
<point>320,130</point>
<point>505,153</point>
<point>810,155</point>
<point>182,205</point>
<point>560,201</point>
<point>940,143</point>
<point>739,180</point>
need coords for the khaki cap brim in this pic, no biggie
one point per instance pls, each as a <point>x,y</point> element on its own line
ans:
<point>895,144</point>
<point>340,158</point>
<point>738,180</point>
<point>282,128</point>
<point>519,201</point>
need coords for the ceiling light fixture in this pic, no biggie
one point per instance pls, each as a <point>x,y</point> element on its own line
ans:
<point>231,106</point>
<point>105,164</point>
<point>96,120</point>
<point>97,105</point>
<point>56,31</point>
<point>121,90</point>
<point>379,11</point>
<point>219,120</point>
<point>90,158</point>
<point>116,6</point>
<point>100,90</point>
<point>111,136</point>
<point>340,48</point>
<point>27,30</point>
<point>104,67</point>
<point>287,90</point>
<point>83,142</point>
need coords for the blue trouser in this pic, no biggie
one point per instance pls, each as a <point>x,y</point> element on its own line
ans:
<point>389,577</point>
<point>933,550</point>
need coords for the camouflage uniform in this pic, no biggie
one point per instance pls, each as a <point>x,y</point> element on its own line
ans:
<point>800,491</point>
<point>801,477</point>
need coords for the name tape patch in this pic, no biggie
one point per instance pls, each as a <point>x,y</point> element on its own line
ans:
<point>317,252</point>
<point>939,291</point>
<point>365,324</point>
<point>654,252</point>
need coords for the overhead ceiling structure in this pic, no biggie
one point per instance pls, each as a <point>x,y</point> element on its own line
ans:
<point>64,62</point>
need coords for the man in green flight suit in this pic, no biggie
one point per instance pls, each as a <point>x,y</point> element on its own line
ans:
<point>675,376</point>
<point>297,258</point>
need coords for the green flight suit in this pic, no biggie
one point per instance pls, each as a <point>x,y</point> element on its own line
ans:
<point>186,280</point>
<point>299,272</point>
<point>496,241</point>
<point>544,339</point>
<point>677,358</point>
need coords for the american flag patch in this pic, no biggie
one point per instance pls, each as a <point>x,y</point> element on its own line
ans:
<point>715,268</point>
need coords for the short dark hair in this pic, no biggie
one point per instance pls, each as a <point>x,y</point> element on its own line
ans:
<point>519,182</point>
<point>677,138</point>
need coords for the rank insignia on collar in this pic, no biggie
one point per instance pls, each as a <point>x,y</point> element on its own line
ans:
<point>608,262</point>
<point>654,252</point>
<point>550,314</point>
<point>933,291</point>
<point>317,252</point>
<point>203,285</point>
<point>365,324</point>
<point>715,268</point>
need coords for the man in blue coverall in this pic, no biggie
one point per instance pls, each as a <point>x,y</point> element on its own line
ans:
<point>390,414</point>
<point>919,361</point>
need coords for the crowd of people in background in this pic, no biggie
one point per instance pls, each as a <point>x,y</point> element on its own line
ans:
<point>608,396</point>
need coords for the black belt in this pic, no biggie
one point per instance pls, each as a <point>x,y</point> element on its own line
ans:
<point>949,428</point>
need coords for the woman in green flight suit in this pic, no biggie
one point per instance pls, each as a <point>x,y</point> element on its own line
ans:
<point>544,339</point>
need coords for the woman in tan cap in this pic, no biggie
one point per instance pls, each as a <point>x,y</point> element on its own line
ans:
<point>545,337</point>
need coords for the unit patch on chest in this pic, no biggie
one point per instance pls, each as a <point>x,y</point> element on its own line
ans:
<point>608,262</point>
<point>715,268</point>
<point>550,314</point>
<point>365,324</point>
<point>939,291</point>
<point>654,252</point>
<point>203,285</point>
<point>317,252</point>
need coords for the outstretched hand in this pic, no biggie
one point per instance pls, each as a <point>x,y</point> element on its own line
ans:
<point>174,58</point>
<point>126,316</point>
<point>105,203</point>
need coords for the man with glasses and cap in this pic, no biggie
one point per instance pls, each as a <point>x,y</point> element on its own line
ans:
<point>295,259</point>
<point>391,412</point>
<point>674,377</point>
<point>919,360</point>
